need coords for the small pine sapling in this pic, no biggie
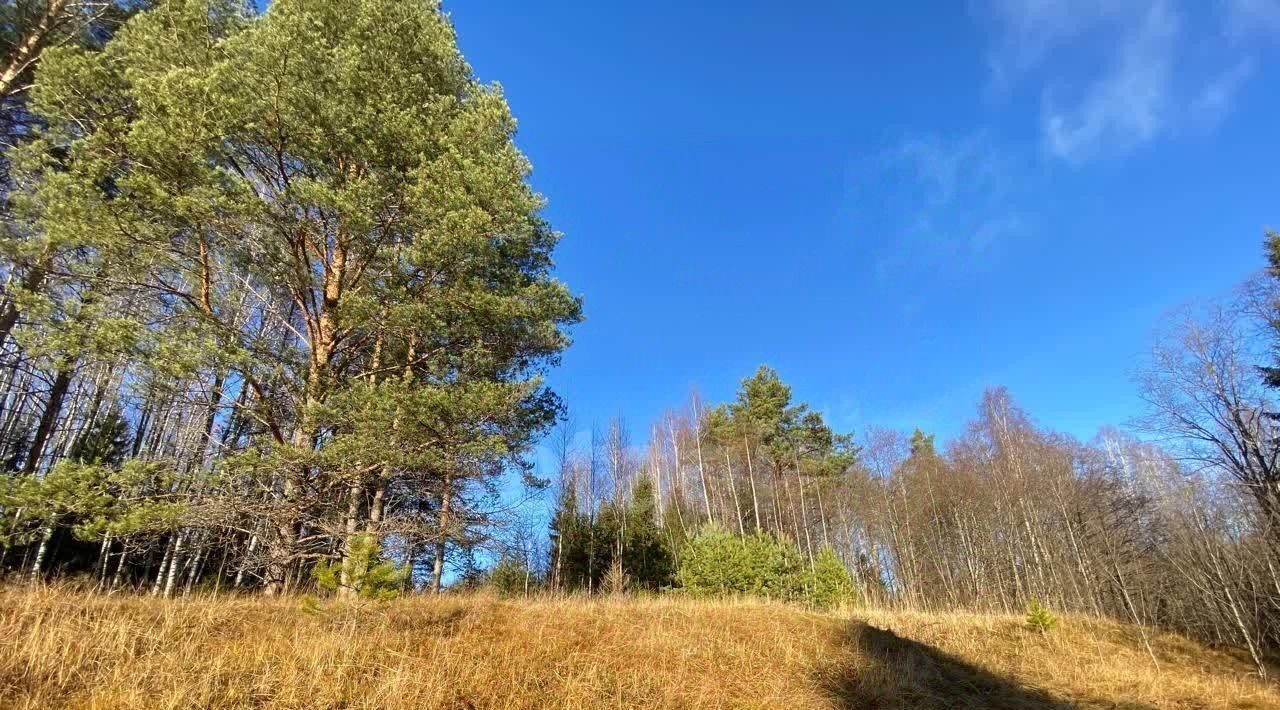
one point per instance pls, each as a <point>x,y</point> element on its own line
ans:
<point>1039,618</point>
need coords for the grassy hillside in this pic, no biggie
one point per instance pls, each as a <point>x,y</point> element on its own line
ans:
<point>63,649</point>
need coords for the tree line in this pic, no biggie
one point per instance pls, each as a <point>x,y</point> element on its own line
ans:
<point>1170,524</point>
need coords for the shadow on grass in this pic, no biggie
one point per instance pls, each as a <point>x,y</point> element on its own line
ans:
<point>901,673</point>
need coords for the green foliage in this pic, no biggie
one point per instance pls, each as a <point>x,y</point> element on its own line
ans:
<point>327,575</point>
<point>511,577</point>
<point>1271,247</point>
<point>764,413</point>
<point>106,442</point>
<point>831,585</point>
<point>584,551</point>
<point>341,156</point>
<point>309,605</point>
<point>93,500</point>
<point>716,562</point>
<point>570,550</point>
<point>922,444</point>
<point>1039,618</point>
<point>790,435</point>
<point>646,558</point>
<point>367,572</point>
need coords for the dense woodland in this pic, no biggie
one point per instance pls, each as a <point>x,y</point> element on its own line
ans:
<point>278,300</point>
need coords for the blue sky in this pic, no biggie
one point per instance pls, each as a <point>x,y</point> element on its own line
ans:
<point>894,204</point>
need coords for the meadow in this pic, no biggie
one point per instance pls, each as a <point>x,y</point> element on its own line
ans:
<point>64,648</point>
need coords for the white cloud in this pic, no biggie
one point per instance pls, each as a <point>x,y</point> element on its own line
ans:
<point>1114,75</point>
<point>1126,106</point>
<point>1028,31</point>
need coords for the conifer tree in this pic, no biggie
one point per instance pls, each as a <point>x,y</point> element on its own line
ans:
<point>569,542</point>
<point>646,558</point>
<point>328,215</point>
<point>831,585</point>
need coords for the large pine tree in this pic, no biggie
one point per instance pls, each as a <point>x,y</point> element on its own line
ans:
<point>322,210</point>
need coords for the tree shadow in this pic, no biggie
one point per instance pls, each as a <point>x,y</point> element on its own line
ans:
<point>901,673</point>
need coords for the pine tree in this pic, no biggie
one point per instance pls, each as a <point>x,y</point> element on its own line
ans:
<point>1039,618</point>
<point>646,559</point>
<point>511,577</point>
<point>716,562</point>
<point>334,214</point>
<point>831,585</point>
<point>107,442</point>
<point>569,548</point>
<point>367,573</point>
<point>1271,245</point>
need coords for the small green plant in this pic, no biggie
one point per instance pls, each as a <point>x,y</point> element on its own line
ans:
<point>511,577</point>
<point>367,572</point>
<point>830,584</point>
<point>309,605</point>
<point>1039,618</point>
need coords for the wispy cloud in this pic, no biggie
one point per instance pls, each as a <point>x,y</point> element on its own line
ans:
<point>1106,78</point>
<point>1026,32</point>
<point>1245,18</point>
<point>957,202</point>
<point>1218,96</point>
<point>1114,75</point>
<point>945,167</point>
<point>1128,105</point>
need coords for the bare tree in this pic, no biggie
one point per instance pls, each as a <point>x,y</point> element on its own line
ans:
<point>1208,401</point>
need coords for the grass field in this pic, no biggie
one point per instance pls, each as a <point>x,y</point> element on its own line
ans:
<point>60,648</point>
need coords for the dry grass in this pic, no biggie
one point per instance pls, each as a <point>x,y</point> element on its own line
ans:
<point>64,649</point>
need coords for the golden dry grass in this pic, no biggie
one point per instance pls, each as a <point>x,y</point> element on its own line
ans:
<point>64,649</point>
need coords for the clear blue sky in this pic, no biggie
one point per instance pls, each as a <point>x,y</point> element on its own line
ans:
<point>896,207</point>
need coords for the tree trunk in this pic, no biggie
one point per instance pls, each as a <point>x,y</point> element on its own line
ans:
<point>733,487</point>
<point>244,564</point>
<point>751,477</point>
<point>118,577</point>
<point>26,52</point>
<point>42,551</point>
<point>104,557</point>
<point>175,564</point>
<point>346,576</point>
<point>437,565</point>
<point>52,408</point>
<point>9,314</point>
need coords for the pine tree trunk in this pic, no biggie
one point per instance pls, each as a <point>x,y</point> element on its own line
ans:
<point>52,408</point>
<point>346,576</point>
<point>9,314</point>
<point>28,49</point>
<point>280,555</point>
<point>437,566</point>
